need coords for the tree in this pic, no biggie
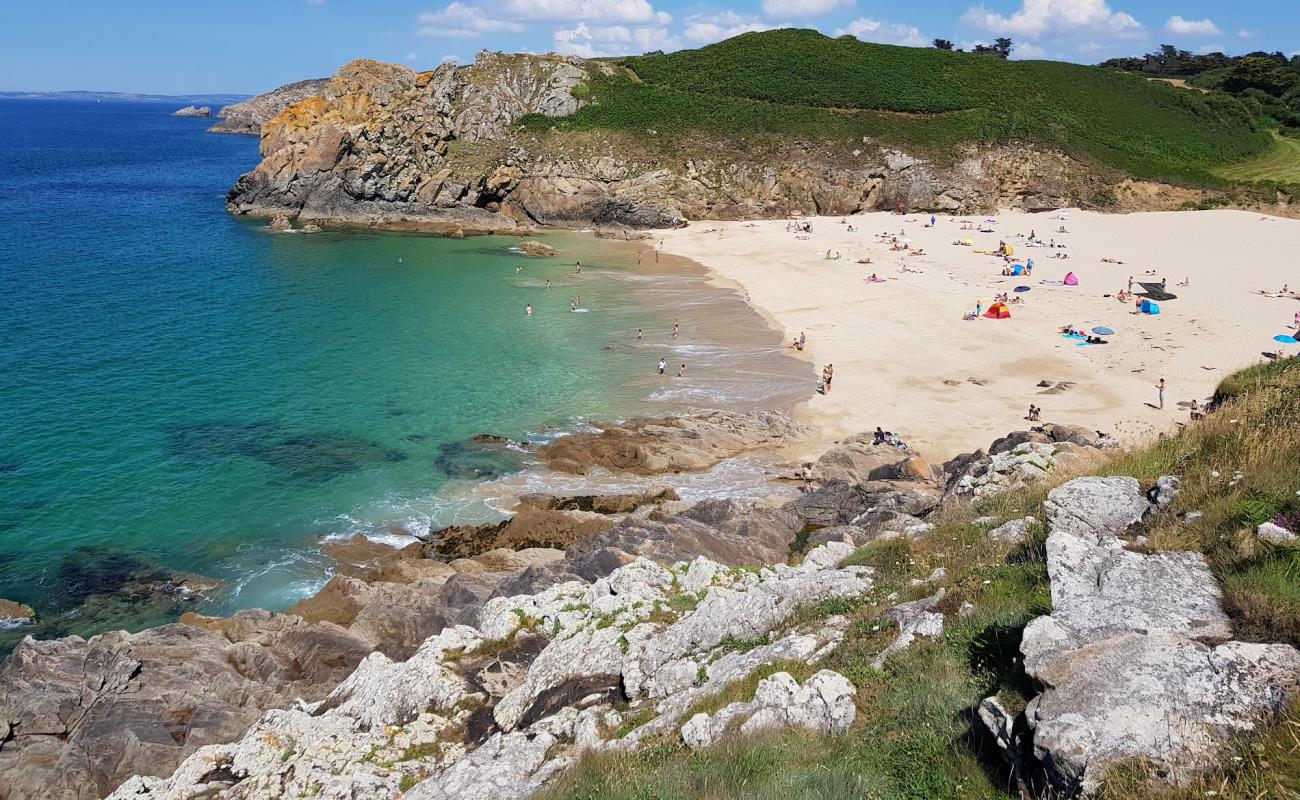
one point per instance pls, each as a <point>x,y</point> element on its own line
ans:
<point>1001,48</point>
<point>1260,72</point>
<point>942,44</point>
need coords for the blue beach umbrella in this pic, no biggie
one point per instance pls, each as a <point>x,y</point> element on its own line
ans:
<point>1286,339</point>
<point>1103,331</point>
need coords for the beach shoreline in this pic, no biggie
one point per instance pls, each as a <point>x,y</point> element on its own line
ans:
<point>905,360</point>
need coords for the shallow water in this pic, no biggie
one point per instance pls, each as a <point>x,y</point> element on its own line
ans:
<point>187,389</point>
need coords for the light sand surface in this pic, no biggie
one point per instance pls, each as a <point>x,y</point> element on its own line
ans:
<point>905,360</point>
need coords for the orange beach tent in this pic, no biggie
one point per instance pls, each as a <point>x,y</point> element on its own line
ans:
<point>998,311</point>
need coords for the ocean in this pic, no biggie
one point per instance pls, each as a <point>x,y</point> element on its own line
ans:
<point>186,391</point>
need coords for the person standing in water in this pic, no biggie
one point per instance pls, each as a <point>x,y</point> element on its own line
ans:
<point>518,270</point>
<point>681,373</point>
<point>548,283</point>
<point>639,335</point>
<point>578,264</point>
<point>677,328</point>
<point>528,310</point>
<point>663,365</point>
<point>1160,393</point>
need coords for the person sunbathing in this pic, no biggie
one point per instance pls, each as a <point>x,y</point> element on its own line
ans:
<point>1111,261</point>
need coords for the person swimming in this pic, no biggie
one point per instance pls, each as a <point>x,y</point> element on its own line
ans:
<point>528,310</point>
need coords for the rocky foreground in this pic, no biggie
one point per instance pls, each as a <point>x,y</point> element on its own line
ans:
<point>375,146</point>
<point>484,661</point>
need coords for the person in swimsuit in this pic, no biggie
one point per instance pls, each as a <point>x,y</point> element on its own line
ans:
<point>528,310</point>
<point>548,283</point>
<point>1160,393</point>
<point>663,365</point>
<point>677,328</point>
<point>828,372</point>
<point>578,264</point>
<point>639,335</point>
<point>807,478</point>
<point>681,373</point>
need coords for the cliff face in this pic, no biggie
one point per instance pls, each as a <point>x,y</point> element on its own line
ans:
<point>385,144</point>
<point>249,116</point>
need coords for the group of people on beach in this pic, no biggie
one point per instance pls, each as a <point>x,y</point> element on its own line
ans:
<point>887,437</point>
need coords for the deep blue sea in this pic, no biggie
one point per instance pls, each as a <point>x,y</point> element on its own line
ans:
<point>185,390</point>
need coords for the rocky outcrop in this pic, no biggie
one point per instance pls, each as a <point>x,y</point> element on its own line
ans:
<point>673,444</point>
<point>372,146</point>
<point>193,111</point>
<point>1133,659</point>
<point>13,615</point>
<point>249,116</point>
<point>823,704</point>
<point>429,725</point>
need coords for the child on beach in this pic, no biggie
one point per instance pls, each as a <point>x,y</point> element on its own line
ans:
<point>1160,393</point>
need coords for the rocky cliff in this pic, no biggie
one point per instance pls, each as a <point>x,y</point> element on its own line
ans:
<point>385,144</point>
<point>249,116</point>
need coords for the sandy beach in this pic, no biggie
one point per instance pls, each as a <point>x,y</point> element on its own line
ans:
<point>906,360</point>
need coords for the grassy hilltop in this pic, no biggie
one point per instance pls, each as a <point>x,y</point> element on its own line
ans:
<point>801,85</point>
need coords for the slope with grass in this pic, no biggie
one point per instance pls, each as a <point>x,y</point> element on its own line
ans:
<point>1279,164</point>
<point>756,126</point>
<point>801,83</point>
<point>917,734</point>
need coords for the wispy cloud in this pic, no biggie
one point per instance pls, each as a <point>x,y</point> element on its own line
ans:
<point>460,21</point>
<point>791,9</point>
<point>707,28</point>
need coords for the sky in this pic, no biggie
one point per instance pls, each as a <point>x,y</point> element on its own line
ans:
<point>242,46</point>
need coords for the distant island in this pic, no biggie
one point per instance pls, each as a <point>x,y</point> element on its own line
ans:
<point>129,97</point>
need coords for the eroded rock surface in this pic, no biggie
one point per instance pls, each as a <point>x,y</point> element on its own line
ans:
<point>1132,659</point>
<point>249,116</point>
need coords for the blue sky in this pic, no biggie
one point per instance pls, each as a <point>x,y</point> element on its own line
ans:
<point>194,46</point>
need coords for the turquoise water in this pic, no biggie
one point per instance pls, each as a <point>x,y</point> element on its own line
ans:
<point>188,389</point>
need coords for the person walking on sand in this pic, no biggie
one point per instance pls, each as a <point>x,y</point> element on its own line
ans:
<point>803,340</point>
<point>807,473</point>
<point>1130,284</point>
<point>528,310</point>
<point>828,372</point>
<point>663,365</point>
<point>1160,393</point>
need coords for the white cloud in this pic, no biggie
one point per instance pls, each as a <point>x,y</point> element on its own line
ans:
<point>1206,49</point>
<point>870,30</point>
<point>789,9</point>
<point>708,28</point>
<point>449,59</point>
<point>633,11</point>
<point>412,56</point>
<point>590,41</point>
<point>1191,27</point>
<point>461,21</point>
<point>1045,19</point>
<point>1245,34</point>
<point>1029,51</point>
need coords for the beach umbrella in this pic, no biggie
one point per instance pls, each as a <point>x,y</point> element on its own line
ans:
<point>1021,289</point>
<point>1286,339</point>
<point>1103,331</point>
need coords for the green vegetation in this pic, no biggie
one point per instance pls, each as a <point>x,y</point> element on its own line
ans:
<point>916,736</point>
<point>798,85</point>
<point>1281,164</point>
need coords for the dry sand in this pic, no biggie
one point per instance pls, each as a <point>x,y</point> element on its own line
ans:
<point>906,360</point>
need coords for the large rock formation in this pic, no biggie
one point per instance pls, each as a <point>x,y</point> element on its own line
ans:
<point>375,148</point>
<point>1133,657</point>
<point>434,726</point>
<point>249,116</point>
<point>193,111</point>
